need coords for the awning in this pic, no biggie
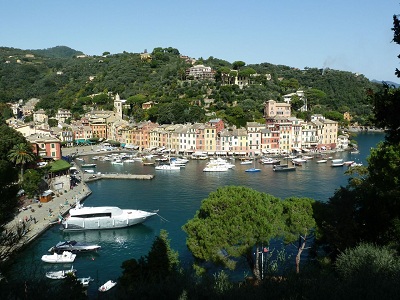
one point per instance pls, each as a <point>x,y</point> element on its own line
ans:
<point>47,193</point>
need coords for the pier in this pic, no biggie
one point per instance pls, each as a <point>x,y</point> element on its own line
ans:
<point>93,177</point>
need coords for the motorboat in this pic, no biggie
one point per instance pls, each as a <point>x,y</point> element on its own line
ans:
<point>117,162</point>
<point>168,167</point>
<point>73,246</point>
<point>103,217</point>
<point>270,161</point>
<point>246,162</point>
<point>64,257</point>
<point>283,168</point>
<point>306,157</point>
<point>299,160</point>
<point>85,280</point>
<point>221,162</point>
<point>322,161</point>
<point>90,171</point>
<point>61,274</point>
<point>215,168</point>
<point>348,163</point>
<point>88,165</point>
<point>253,170</point>
<point>337,163</point>
<point>107,286</point>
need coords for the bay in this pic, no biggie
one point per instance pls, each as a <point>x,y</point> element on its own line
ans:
<point>177,195</point>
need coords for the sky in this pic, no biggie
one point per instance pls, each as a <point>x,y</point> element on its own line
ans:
<point>347,35</point>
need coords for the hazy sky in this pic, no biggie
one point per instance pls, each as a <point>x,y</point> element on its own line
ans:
<point>348,35</point>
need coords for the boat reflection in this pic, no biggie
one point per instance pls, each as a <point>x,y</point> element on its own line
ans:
<point>110,236</point>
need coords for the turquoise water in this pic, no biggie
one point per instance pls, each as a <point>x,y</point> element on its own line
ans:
<point>177,195</point>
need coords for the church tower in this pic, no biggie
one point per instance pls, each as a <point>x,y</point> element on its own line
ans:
<point>118,106</point>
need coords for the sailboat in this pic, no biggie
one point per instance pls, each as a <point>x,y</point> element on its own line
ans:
<point>171,166</point>
<point>284,167</point>
<point>253,169</point>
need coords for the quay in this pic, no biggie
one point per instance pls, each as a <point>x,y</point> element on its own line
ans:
<point>115,176</point>
<point>37,217</point>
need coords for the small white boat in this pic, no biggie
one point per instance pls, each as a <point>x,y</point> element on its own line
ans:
<point>270,161</point>
<point>107,286</point>
<point>246,162</point>
<point>117,162</point>
<point>215,168</point>
<point>322,161</point>
<point>85,280</point>
<point>337,163</point>
<point>61,274</point>
<point>307,157</point>
<point>65,257</point>
<point>348,163</point>
<point>90,171</point>
<point>356,164</point>
<point>299,160</point>
<point>168,167</point>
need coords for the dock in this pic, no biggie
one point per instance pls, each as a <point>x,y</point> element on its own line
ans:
<point>94,177</point>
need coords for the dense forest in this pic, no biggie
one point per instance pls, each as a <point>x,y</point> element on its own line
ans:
<point>61,78</point>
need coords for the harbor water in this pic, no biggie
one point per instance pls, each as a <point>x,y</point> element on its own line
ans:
<point>177,195</point>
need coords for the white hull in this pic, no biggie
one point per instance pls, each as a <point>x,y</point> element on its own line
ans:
<point>168,167</point>
<point>60,274</point>
<point>65,257</point>
<point>215,168</point>
<point>85,280</point>
<point>107,286</point>
<point>104,217</point>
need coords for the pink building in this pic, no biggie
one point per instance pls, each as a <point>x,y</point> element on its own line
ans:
<point>45,146</point>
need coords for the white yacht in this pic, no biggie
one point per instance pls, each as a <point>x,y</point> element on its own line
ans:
<point>103,217</point>
<point>215,168</point>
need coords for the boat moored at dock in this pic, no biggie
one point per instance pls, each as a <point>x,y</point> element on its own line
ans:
<point>103,217</point>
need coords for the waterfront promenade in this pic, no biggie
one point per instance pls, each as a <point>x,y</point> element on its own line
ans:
<point>36,217</point>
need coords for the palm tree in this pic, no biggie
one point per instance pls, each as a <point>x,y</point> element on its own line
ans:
<point>21,154</point>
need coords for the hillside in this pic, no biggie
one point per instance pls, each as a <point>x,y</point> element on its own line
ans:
<point>61,80</point>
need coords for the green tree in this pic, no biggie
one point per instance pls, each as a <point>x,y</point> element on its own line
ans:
<point>300,223</point>
<point>368,260</point>
<point>31,181</point>
<point>53,122</point>
<point>236,65</point>
<point>21,154</point>
<point>158,273</point>
<point>296,103</point>
<point>314,96</point>
<point>334,115</point>
<point>230,223</point>
<point>8,190</point>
